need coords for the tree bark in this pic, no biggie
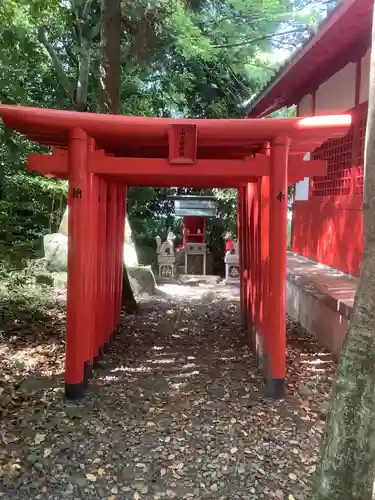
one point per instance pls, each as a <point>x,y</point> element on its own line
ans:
<point>83,76</point>
<point>110,70</point>
<point>347,467</point>
<point>76,90</point>
<point>110,56</point>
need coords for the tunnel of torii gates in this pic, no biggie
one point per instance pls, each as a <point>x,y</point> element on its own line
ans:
<point>100,155</point>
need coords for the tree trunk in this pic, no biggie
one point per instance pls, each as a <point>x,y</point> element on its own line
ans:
<point>110,69</point>
<point>347,467</point>
<point>83,76</point>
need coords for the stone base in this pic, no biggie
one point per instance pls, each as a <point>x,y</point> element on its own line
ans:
<point>320,299</point>
<point>196,279</point>
<point>161,280</point>
<point>233,281</point>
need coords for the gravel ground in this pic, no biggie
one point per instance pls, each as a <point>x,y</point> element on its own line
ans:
<point>176,411</point>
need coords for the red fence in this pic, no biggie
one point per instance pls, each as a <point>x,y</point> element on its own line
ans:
<point>328,227</point>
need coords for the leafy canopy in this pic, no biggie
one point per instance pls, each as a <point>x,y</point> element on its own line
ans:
<point>196,58</point>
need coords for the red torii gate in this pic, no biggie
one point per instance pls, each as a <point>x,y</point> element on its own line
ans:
<point>100,155</point>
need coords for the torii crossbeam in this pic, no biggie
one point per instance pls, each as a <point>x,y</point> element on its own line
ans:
<point>100,155</point>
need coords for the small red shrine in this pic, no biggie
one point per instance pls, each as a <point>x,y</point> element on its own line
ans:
<point>101,155</point>
<point>329,75</point>
<point>193,252</point>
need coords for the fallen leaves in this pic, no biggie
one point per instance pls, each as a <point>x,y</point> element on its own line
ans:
<point>178,410</point>
<point>178,466</point>
<point>39,438</point>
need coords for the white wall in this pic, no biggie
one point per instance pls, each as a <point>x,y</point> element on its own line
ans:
<point>302,187</point>
<point>365,77</point>
<point>302,190</point>
<point>337,94</point>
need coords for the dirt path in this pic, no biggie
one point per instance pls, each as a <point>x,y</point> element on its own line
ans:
<point>177,411</point>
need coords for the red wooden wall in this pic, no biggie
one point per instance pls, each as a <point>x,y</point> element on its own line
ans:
<point>328,227</point>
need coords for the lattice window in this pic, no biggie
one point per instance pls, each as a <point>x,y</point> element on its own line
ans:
<point>338,154</point>
<point>345,158</point>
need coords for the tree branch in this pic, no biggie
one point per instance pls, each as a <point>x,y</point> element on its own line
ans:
<point>86,9</point>
<point>83,75</point>
<point>95,31</point>
<point>64,81</point>
<point>259,39</point>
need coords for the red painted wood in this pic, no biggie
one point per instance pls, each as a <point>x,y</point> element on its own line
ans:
<point>321,224</point>
<point>264,260</point>
<point>218,152</point>
<point>111,256</point>
<point>80,298</point>
<point>192,225</point>
<point>329,235</point>
<point>91,229</point>
<point>246,251</point>
<point>139,168</point>
<point>137,171</point>
<point>277,255</point>
<point>256,259</point>
<point>135,136</point>
<point>102,275</point>
<point>116,251</point>
<point>48,164</point>
<point>241,214</point>
<point>121,232</point>
<point>249,252</point>
<point>183,144</point>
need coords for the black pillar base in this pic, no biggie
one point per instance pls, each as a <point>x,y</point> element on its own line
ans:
<point>87,374</point>
<point>106,347</point>
<point>276,388</point>
<point>73,392</point>
<point>96,362</point>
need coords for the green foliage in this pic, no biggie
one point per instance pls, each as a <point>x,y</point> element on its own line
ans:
<point>201,58</point>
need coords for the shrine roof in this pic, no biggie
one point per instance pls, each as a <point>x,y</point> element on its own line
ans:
<point>130,136</point>
<point>183,197</point>
<point>194,205</point>
<point>343,37</point>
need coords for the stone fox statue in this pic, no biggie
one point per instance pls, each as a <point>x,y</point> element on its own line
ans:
<point>167,248</point>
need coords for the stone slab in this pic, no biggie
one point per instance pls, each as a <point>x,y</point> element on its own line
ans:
<point>320,299</point>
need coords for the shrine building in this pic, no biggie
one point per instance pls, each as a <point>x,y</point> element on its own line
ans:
<point>329,74</point>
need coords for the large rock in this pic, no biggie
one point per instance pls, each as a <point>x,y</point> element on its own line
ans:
<point>142,280</point>
<point>56,247</point>
<point>56,252</point>
<point>130,254</point>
